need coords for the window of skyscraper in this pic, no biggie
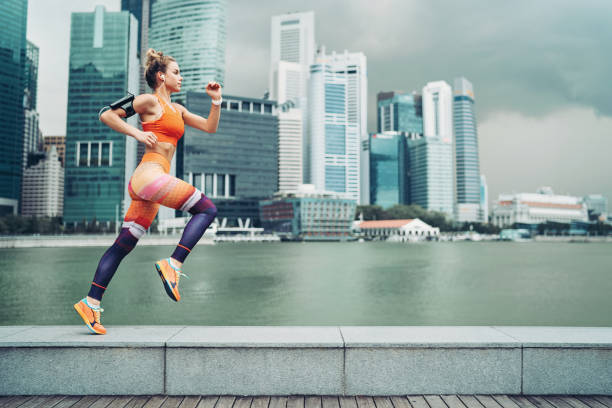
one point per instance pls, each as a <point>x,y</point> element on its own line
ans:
<point>220,185</point>
<point>267,108</point>
<point>93,154</point>
<point>105,160</point>
<point>256,107</point>
<point>83,147</point>
<point>208,187</point>
<point>197,181</point>
<point>232,185</point>
<point>233,105</point>
<point>246,107</point>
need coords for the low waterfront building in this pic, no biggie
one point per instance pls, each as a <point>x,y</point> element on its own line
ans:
<point>42,194</point>
<point>398,230</point>
<point>309,215</point>
<point>597,206</point>
<point>537,208</point>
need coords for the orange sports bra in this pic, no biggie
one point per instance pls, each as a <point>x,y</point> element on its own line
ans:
<point>169,127</point>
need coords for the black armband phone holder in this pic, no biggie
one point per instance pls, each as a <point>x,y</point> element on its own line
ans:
<point>125,103</point>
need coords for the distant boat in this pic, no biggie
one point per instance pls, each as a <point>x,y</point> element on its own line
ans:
<point>517,235</point>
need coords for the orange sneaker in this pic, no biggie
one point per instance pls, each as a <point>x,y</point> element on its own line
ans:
<point>170,278</point>
<point>90,316</point>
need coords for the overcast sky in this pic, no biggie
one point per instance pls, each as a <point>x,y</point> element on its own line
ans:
<point>540,69</point>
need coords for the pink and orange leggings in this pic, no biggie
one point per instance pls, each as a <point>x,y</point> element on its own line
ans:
<point>150,187</point>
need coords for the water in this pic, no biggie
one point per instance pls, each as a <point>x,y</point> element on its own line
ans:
<point>377,283</point>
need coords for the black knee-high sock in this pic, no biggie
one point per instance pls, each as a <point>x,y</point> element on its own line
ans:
<point>109,262</point>
<point>204,212</point>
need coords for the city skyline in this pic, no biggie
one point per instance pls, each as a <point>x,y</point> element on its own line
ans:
<point>534,111</point>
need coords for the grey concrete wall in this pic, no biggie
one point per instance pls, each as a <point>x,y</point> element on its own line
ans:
<point>304,360</point>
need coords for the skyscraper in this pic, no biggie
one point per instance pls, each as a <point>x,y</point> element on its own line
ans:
<point>400,112</point>
<point>431,157</point>
<point>387,168</point>
<point>237,166</point>
<point>484,199</point>
<point>292,42</point>
<point>337,111</point>
<point>32,140</point>
<point>290,128</point>
<point>193,32</point>
<point>141,9</point>
<point>466,152</point>
<point>43,187</point>
<point>99,161</point>
<point>13,19</point>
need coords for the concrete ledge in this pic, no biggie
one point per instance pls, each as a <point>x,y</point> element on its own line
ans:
<point>304,360</point>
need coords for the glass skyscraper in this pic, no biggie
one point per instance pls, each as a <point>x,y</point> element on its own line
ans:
<point>193,32</point>
<point>13,19</point>
<point>388,168</point>
<point>337,122</point>
<point>466,151</point>
<point>238,165</point>
<point>400,112</point>
<point>99,161</point>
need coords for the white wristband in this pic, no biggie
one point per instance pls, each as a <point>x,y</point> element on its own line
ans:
<point>217,101</point>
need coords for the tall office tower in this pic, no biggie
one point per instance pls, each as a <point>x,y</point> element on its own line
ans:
<point>431,157</point>
<point>31,133</point>
<point>484,199</point>
<point>292,52</point>
<point>99,161</point>
<point>43,187</point>
<point>337,124</point>
<point>400,112</point>
<point>466,153</point>
<point>141,9</point>
<point>13,19</point>
<point>289,147</point>
<point>193,32</point>
<point>238,165</point>
<point>388,168</point>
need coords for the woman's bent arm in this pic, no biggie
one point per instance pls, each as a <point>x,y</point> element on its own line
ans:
<point>208,125</point>
<point>141,104</point>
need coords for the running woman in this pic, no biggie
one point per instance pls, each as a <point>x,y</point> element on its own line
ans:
<point>150,186</point>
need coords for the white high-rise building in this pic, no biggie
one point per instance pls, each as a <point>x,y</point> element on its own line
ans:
<point>438,111</point>
<point>433,180</point>
<point>337,122</point>
<point>42,194</point>
<point>292,50</point>
<point>292,41</point>
<point>289,147</point>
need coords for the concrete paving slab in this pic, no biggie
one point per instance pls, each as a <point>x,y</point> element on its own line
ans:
<point>80,336</point>
<point>542,336</point>
<point>567,371</point>
<point>10,330</point>
<point>425,336</point>
<point>81,370</point>
<point>435,370</point>
<point>254,371</point>
<point>258,336</point>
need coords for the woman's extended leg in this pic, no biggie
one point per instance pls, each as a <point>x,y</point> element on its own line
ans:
<point>175,193</point>
<point>138,218</point>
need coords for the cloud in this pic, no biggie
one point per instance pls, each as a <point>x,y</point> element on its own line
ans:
<point>568,149</point>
